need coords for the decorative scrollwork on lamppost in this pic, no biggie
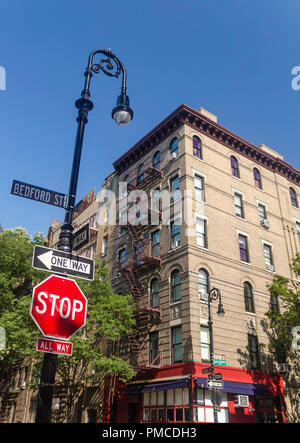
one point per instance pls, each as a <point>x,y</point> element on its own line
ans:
<point>121,113</point>
<point>214,294</point>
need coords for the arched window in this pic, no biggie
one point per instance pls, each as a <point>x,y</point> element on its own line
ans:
<point>156,160</point>
<point>197,147</point>
<point>175,286</point>
<point>257,178</point>
<point>154,293</point>
<point>234,167</point>
<point>203,282</point>
<point>293,196</point>
<point>248,297</point>
<point>174,146</point>
<point>140,174</point>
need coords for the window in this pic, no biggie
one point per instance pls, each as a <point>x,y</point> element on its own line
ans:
<point>122,258</point>
<point>140,175</point>
<point>293,196</point>
<point>268,255</point>
<point>248,296</point>
<point>234,167</point>
<point>156,160</point>
<point>154,293</point>
<point>257,178</point>
<point>174,146</point>
<point>253,352</point>
<point>153,347</point>
<point>175,233</point>
<point>172,405</point>
<point>243,245</point>
<point>201,232</point>
<point>174,184</point>
<point>274,303</point>
<point>205,344</point>
<point>262,212</point>
<point>203,281</point>
<point>298,230</point>
<point>175,286</point>
<point>203,410</point>
<point>176,345</point>
<point>104,246</point>
<point>197,147</point>
<point>238,203</point>
<point>155,243</point>
<point>199,187</point>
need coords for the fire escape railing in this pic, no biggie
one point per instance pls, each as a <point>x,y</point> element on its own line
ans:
<point>142,261</point>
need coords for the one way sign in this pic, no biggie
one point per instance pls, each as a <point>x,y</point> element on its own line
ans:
<point>60,262</point>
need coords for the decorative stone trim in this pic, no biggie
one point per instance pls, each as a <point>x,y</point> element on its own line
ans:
<point>186,115</point>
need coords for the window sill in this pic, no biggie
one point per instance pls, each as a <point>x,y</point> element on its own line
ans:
<point>246,263</point>
<point>251,313</point>
<point>203,248</point>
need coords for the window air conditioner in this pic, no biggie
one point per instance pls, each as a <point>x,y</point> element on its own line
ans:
<point>23,385</point>
<point>265,223</point>
<point>241,401</point>
<point>174,155</point>
<point>270,268</point>
<point>175,244</point>
<point>203,296</point>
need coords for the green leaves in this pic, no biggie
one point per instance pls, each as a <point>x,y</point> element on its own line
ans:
<point>282,323</point>
<point>109,316</point>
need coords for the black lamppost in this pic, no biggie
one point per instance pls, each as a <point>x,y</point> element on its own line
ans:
<point>214,294</point>
<point>122,115</point>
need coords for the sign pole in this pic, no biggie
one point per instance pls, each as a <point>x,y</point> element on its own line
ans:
<point>212,359</point>
<point>45,394</point>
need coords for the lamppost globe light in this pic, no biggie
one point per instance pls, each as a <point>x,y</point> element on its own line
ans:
<point>220,311</point>
<point>122,113</point>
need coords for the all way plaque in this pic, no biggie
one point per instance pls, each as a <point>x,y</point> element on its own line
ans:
<point>60,262</point>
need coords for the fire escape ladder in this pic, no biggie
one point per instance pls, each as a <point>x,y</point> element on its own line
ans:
<point>137,351</point>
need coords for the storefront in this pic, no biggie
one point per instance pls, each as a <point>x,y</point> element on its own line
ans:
<point>179,394</point>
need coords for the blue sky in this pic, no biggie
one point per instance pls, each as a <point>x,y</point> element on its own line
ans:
<point>232,57</point>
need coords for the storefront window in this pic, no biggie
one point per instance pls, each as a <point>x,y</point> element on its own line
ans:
<point>175,405</point>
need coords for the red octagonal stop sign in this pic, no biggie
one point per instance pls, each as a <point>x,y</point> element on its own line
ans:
<point>58,307</point>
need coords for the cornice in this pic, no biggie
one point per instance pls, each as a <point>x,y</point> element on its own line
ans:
<point>186,115</point>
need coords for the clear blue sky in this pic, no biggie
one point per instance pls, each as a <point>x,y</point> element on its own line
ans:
<point>231,57</point>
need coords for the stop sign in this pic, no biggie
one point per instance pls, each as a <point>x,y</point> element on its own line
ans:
<point>58,307</point>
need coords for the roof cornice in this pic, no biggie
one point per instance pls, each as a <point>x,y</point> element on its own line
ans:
<point>186,115</point>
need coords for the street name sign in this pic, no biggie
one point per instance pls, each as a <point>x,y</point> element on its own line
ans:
<point>220,362</point>
<point>215,384</point>
<point>58,307</point>
<point>81,237</point>
<point>54,346</point>
<point>206,370</point>
<point>218,376</point>
<point>60,262</point>
<point>39,194</point>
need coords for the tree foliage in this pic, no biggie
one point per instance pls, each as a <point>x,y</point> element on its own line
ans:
<point>283,321</point>
<point>109,316</point>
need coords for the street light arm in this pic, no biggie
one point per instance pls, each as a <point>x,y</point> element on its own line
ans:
<point>214,293</point>
<point>105,65</point>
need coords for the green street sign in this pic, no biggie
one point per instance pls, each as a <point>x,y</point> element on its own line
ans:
<point>220,362</point>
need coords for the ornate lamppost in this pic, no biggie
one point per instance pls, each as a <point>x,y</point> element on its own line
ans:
<point>122,115</point>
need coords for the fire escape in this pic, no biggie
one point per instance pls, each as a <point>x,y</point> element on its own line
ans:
<point>142,261</point>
